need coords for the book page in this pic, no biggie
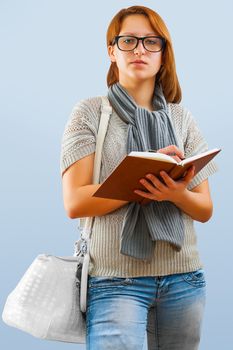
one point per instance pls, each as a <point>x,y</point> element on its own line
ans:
<point>197,156</point>
<point>153,155</point>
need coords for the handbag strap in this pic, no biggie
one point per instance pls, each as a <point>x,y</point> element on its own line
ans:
<point>106,111</point>
<point>103,125</point>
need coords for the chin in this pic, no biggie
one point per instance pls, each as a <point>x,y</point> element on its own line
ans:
<point>141,77</point>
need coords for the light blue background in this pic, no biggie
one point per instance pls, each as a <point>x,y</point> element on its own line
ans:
<point>46,66</point>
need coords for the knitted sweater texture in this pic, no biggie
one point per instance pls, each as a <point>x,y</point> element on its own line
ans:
<point>79,140</point>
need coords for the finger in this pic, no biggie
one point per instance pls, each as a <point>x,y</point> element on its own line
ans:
<point>167,179</point>
<point>145,194</point>
<point>148,186</point>
<point>156,182</point>
<point>189,174</point>
<point>172,149</point>
<point>177,159</point>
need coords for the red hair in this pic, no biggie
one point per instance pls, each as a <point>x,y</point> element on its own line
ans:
<point>167,74</point>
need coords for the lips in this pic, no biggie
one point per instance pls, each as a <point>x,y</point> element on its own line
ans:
<point>139,61</point>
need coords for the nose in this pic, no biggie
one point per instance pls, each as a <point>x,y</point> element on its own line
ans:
<point>140,48</point>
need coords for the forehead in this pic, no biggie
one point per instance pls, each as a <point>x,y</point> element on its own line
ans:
<point>138,25</point>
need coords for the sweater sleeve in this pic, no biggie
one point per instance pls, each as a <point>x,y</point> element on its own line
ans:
<point>195,143</point>
<point>80,132</point>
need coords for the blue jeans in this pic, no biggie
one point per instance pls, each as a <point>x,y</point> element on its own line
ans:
<point>170,308</point>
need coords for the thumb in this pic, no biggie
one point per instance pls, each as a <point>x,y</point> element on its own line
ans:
<point>189,174</point>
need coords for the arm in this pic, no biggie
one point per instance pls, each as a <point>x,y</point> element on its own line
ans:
<point>78,190</point>
<point>197,203</point>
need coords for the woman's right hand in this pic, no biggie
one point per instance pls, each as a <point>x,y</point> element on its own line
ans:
<point>173,151</point>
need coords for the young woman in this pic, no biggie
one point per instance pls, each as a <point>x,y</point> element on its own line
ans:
<point>145,271</point>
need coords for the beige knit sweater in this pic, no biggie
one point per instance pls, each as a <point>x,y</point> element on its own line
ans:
<point>78,141</point>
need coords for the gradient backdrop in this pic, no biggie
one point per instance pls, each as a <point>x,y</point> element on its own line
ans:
<point>52,55</point>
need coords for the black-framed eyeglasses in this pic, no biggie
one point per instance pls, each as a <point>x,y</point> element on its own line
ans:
<point>130,42</point>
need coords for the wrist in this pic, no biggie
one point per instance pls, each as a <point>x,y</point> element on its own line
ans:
<point>182,197</point>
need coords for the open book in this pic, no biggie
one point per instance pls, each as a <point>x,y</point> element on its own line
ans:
<point>121,183</point>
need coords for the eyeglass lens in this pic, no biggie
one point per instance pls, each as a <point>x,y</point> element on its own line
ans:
<point>128,43</point>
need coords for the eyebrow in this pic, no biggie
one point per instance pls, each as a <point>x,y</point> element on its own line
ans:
<point>129,33</point>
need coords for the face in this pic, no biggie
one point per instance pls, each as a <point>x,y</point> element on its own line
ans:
<point>137,25</point>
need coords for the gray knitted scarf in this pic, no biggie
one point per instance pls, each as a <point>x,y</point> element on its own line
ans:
<point>143,225</point>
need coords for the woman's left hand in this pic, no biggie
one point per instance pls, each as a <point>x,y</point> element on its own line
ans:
<point>170,190</point>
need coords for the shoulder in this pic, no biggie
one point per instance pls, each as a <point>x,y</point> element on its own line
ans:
<point>178,110</point>
<point>86,112</point>
<point>181,115</point>
<point>89,105</point>
<point>184,122</point>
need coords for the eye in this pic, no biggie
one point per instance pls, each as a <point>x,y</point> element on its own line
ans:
<point>151,41</point>
<point>129,40</point>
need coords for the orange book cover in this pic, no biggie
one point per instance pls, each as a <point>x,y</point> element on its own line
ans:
<point>124,179</point>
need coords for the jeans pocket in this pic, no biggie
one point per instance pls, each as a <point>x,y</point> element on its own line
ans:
<point>195,278</point>
<point>104,282</point>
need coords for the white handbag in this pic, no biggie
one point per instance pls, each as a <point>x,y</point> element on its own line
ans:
<point>48,302</point>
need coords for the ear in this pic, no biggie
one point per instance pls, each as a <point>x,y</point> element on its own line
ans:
<point>111,53</point>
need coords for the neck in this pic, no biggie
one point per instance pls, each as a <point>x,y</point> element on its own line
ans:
<point>142,92</point>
